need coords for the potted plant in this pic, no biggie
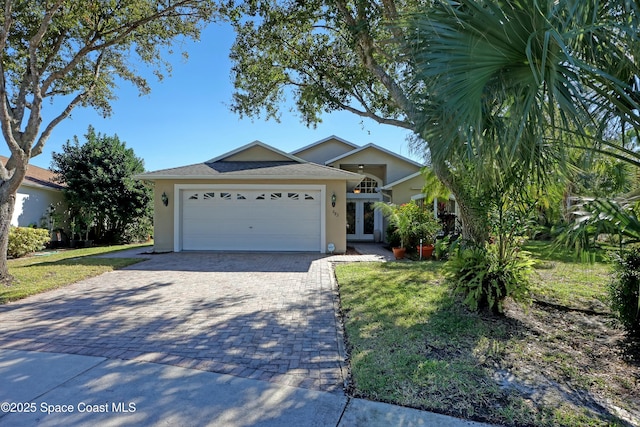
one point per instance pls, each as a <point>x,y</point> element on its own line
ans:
<point>423,231</point>
<point>398,217</point>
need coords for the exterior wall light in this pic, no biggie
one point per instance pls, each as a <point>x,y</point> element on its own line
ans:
<point>165,199</point>
<point>333,200</point>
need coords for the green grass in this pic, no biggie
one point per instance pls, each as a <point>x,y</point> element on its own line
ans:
<point>412,343</point>
<point>53,269</point>
<point>563,279</point>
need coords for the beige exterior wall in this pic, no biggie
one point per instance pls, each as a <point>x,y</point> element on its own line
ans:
<point>326,151</point>
<point>396,168</point>
<point>403,192</point>
<point>163,217</point>
<point>335,226</point>
<point>256,153</point>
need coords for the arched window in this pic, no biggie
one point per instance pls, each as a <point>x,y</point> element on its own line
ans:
<point>367,186</point>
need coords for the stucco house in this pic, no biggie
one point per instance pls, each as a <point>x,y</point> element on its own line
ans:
<point>258,198</point>
<point>36,194</point>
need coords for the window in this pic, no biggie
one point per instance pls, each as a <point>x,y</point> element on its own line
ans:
<point>193,196</point>
<point>367,186</point>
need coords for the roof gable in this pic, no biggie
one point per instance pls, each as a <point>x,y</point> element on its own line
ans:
<point>372,147</point>
<point>255,151</point>
<point>325,149</point>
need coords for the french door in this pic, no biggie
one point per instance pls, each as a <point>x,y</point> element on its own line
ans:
<point>361,219</point>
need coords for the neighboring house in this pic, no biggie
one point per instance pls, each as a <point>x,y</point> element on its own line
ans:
<point>258,198</point>
<point>36,194</point>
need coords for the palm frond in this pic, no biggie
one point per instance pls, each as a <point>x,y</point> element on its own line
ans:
<point>514,80</point>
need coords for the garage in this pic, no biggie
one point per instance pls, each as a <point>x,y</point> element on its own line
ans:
<point>255,198</point>
<point>257,218</point>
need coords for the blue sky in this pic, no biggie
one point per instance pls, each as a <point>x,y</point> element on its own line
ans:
<point>185,119</point>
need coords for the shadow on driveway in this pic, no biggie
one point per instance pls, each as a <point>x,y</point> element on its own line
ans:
<point>258,316</point>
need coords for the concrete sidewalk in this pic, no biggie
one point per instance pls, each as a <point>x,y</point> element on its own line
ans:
<point>51,389</point>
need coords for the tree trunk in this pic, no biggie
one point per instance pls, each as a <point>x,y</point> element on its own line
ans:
<point>472,215</point>
<point>6,212</point>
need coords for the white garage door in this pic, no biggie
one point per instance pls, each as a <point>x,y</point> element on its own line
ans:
<point>251,220</point>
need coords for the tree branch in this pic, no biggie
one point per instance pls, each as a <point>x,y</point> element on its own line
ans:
<point>5,106</point>
<point>365,50</point>
<point>375,117</point>
<point>44,136</point>
<point>120,32</point>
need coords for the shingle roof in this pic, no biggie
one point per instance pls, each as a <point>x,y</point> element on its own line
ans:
<point>38,176</point>
<point>252,169</point>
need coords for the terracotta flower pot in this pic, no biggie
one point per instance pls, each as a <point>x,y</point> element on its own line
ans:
<point>399,252</point>
<point>427,251</point>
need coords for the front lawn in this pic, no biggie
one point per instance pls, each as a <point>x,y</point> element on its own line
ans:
<point>53,269</point>
<point>558,362</point>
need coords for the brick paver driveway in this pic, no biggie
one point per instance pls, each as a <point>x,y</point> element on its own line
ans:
<point>261,316</point>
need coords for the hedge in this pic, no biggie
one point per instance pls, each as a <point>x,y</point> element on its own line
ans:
<point>25,240</point>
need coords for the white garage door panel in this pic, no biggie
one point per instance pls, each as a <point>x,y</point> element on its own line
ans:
<point>259,220</point>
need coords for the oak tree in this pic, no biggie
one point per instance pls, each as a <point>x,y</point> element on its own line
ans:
<point>75,52</point>
<point>489,88</point>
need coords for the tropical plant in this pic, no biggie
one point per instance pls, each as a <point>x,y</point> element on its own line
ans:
<point>520,82</point>
<point>75,52</point>
<point>619,217</point>
<point>597,216</point>
<point>410,222</point>
<point>486,278</point>
<point>399,218</point>
<point>442,247</point>
<point>624,291</point>
<point>486,275</point>
<point>424,226</point>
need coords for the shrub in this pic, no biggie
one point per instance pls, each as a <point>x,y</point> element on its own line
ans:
<point>392,237</point>
<point>25,240</point>
<point>624,291</point>
<point>486,279</point>
<point>410,223</point>
<point>137,231</point>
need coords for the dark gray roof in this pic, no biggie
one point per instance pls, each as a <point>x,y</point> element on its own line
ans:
<point>252,169</point>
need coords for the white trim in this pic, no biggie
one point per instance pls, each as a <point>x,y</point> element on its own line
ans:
<point>401,180</point>
<point>222,177</point>
<point>372,196</point>
<point>322,141</point>
<point>256,144</point>
<point>376,147</point>
<point>177,197</point>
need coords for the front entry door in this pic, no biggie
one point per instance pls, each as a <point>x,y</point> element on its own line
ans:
<point>360,219</point>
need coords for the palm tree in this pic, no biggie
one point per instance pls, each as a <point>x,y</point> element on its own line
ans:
<point>515,83</point>
<point>507,88</point>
